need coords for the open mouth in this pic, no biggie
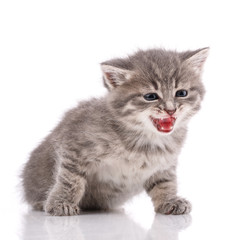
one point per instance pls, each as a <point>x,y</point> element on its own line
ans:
<point>165,124</point>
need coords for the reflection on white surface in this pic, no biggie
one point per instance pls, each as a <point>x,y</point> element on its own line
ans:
<point>100,225</point>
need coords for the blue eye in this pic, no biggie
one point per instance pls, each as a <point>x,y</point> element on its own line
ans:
<point>151,96</point>
<point>181,93</point>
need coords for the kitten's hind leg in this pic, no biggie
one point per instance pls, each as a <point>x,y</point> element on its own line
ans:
<point>67,192</point>
<point>162,188</point>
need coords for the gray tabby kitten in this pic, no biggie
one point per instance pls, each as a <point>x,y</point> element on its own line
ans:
<point>107,150</point>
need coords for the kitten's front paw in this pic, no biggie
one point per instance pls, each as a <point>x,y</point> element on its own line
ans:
<point>174,206</point>
<point>62,209</point>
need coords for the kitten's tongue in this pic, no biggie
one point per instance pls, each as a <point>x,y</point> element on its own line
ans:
<point>164,124</point>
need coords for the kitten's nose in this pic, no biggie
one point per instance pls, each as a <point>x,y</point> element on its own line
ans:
<point>170,112</point>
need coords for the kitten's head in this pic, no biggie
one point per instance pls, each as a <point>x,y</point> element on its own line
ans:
<point>157,90</point>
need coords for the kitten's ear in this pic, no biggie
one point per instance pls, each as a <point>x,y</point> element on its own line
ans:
<point>196,59</point>
<point>114,76</point>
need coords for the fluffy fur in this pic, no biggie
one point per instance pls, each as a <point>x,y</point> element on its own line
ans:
<point>106,150</point>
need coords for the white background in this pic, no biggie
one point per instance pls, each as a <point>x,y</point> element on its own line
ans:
<point>49,60</point>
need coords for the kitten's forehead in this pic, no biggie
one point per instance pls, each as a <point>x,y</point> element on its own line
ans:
<point>155,69</point>
<point>159,67</point>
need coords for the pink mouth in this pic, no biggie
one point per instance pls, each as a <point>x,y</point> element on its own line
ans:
<point>165,124</point>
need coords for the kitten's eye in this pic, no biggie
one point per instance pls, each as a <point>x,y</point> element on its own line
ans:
<point>181,93</point>
<point>151,96</point>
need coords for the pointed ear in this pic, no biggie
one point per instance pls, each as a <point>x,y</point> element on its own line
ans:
<point>197,60</point>
<point>114,76</point>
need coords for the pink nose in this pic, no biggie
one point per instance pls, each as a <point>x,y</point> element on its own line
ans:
<point>170,112</point>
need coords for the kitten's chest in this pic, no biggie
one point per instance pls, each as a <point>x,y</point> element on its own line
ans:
<point>133,168</point>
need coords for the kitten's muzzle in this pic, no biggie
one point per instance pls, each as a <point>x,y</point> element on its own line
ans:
<point>170,112</point>
<point>163,124</point>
